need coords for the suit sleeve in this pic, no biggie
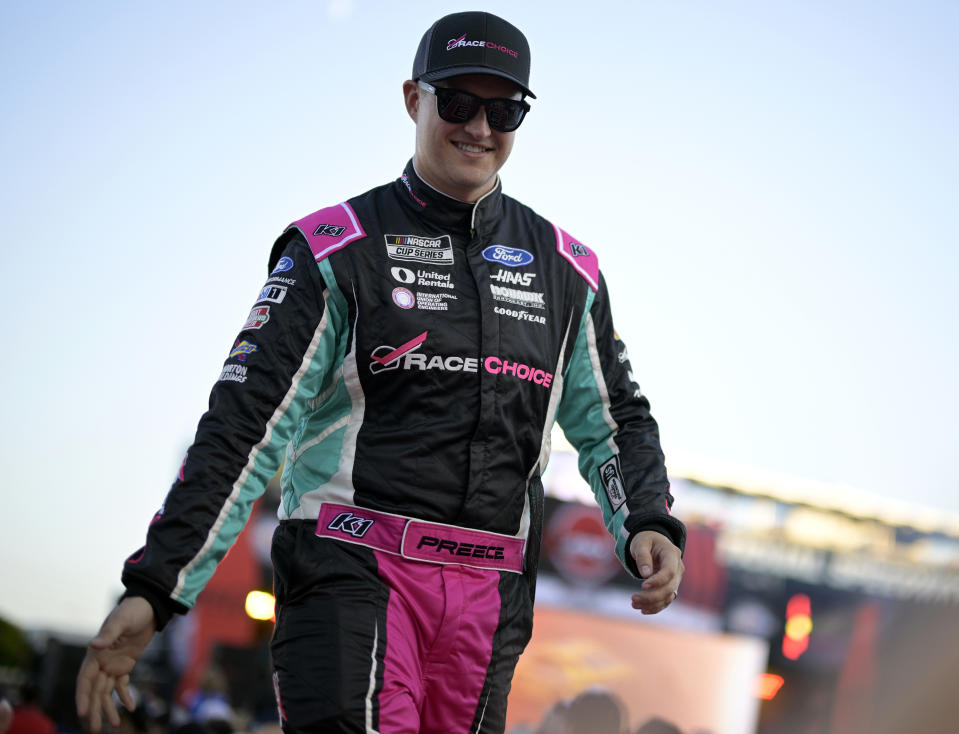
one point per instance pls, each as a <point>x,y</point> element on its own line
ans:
<point>607,419</point>
<point>279,359</point>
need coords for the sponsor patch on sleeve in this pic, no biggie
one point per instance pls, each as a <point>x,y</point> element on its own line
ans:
<point>258,316</point>
<point>242,349</point>
<point>272,293</point>
<point>612,479</point>
<point>285,263</point>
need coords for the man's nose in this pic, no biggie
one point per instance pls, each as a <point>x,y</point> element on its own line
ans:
<point>478,125</point>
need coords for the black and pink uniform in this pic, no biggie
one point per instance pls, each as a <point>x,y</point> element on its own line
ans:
<point>409,355</point>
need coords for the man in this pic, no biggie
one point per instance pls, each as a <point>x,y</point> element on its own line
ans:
<point>410,352</point>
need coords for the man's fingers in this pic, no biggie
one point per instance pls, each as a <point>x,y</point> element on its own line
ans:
<point>94,714</point>
<point>88,672</point>
<point>652,604</point>
<point>661,578</point>
<point>669,572</point>
<point>643,558</point>
<point>101,690</point>
<point>113,716</point>
<point>123,691</point>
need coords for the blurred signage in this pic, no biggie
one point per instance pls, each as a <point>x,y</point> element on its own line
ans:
<point>579,546</point>
<point>858,570</point>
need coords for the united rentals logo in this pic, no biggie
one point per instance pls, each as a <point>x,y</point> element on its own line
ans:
<point>347,522</point>
<point>413,248</point>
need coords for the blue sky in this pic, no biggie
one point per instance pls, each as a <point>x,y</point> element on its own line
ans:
<point>772,189</point>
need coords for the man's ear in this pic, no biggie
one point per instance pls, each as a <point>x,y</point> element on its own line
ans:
<point>411,95</point>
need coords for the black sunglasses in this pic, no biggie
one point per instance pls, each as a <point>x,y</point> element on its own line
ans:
<point>455,105</point>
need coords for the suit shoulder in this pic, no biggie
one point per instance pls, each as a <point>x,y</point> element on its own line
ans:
<point>329,229</point>
<point>580,257</point>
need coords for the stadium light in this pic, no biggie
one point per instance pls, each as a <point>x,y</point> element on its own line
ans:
<point>798,626</point>
<point>260,605</point>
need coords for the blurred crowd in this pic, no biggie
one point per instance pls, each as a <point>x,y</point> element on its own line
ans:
<point>209,711</point>
<point>212,707</point>
<point>596,710</point>
<point>204,711</point>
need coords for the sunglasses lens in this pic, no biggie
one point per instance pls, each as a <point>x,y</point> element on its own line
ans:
<point>504,115</point>
<point>457,106</point>
<point>454,106</point>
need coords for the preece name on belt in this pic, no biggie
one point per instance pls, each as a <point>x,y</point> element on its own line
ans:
<point>473,550</point>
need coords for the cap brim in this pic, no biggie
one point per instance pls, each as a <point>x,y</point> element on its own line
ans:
<point>451,71</point>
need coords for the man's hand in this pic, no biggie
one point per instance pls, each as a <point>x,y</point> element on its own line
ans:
<point>110,658</point>
<point>660,563</point>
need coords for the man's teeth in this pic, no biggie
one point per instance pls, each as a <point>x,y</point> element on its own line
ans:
<point>470,148</point>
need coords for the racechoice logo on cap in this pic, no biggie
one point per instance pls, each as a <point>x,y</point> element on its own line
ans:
<point>511,257</point>
<point>461,42</point>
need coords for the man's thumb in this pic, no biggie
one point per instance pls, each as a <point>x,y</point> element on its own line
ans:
<point>108,634</point>
<point>643,557</point>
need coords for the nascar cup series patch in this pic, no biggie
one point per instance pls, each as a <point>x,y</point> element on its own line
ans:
<point>414,248</point>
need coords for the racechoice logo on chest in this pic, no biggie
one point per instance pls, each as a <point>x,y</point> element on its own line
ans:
<point>408,356</point>
<point>414,248</point>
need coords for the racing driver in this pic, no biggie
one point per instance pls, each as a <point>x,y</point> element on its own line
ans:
<point>408,355</point>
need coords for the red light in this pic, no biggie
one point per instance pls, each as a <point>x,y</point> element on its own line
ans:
<point>792,649</point>
<point>798,604</point>
<point>798,626</point>
<point>767,685</point>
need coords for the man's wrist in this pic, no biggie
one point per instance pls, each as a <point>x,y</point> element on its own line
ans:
<point>162,614</point>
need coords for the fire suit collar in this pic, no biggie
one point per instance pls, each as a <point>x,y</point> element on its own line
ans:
<point>445,211</point>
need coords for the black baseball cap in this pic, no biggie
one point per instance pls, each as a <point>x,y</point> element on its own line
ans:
<point>473,43</point>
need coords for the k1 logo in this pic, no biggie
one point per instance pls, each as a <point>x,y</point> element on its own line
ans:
<point>330,230</point>
<point>578,250</point>
<point>347,522</point>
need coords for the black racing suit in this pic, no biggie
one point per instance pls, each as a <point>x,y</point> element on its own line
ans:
<point>410,353</point>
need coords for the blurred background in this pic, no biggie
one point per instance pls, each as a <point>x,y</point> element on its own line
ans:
<point>771,188</point>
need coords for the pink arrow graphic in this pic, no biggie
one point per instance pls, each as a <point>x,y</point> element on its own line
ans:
<point>401,350</point>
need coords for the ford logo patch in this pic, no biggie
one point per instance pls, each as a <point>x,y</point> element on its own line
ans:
<point>511,257</point>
